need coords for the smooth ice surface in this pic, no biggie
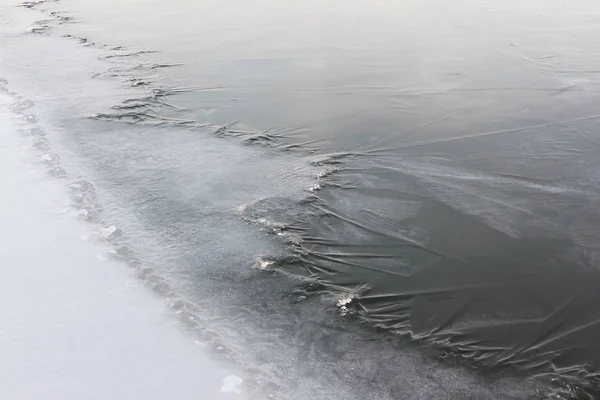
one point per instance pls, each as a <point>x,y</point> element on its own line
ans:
<point>74,324</point>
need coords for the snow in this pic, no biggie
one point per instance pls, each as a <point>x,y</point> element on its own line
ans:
<point>74,325</point>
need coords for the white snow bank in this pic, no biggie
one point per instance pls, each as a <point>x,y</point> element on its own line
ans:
<point>74,325</point>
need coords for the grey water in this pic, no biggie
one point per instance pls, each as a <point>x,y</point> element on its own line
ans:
<point>389,200</point>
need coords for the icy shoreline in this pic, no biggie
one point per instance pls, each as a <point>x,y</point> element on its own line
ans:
<point>76,324</point>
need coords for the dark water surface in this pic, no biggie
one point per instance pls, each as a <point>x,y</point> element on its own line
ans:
<point>427,168</point>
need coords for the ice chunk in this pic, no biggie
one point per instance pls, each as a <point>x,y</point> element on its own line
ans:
<point>110,232</point>
<point>231,384</point>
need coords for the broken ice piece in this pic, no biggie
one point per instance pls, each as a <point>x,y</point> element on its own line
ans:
<point>264,264</point>
<point>314,187</point>
<point>110,232</point>
<point>49,157</point>
<point>345,301</point>
<point>231,383</point>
